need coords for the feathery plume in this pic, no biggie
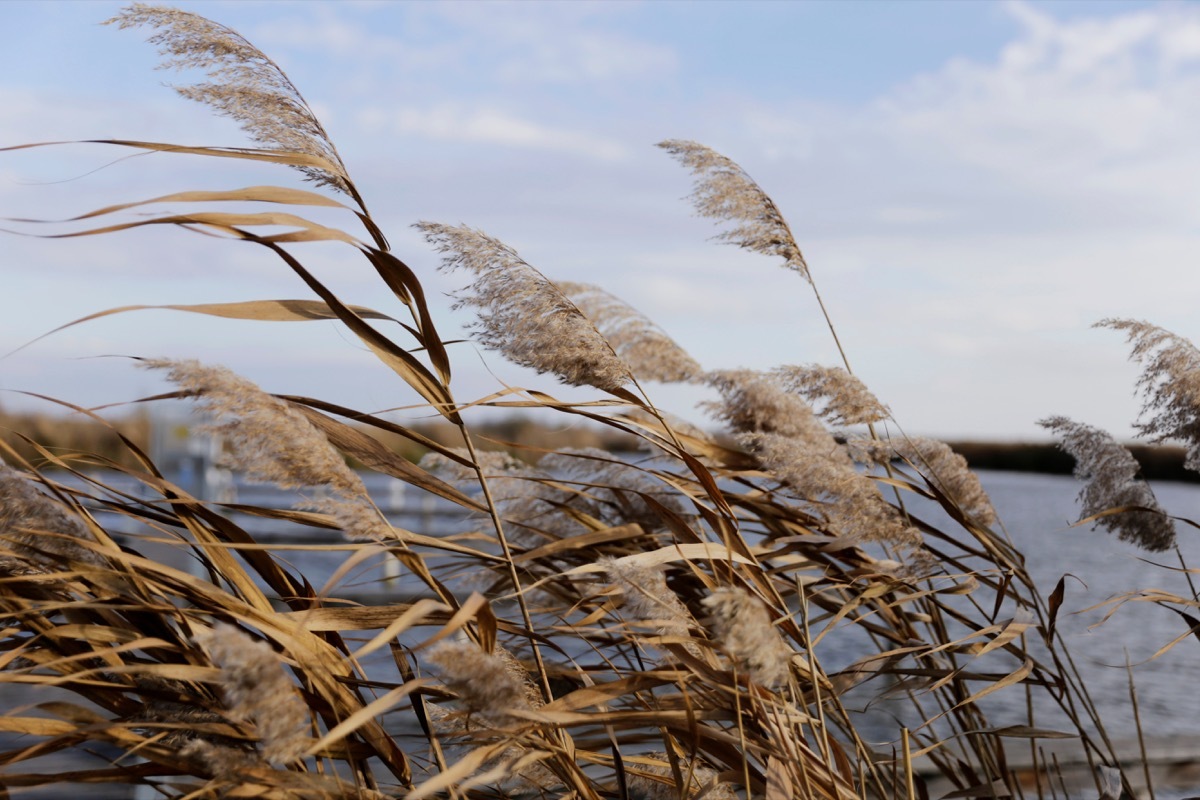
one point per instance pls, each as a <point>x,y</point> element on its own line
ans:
<point>491,684</point>
<point>742,625</point>
<point>724,191</point>
<point>357,518</point>
<point>522,314</point>
<point>587,480</point>
<point>244,84</point>
<point>1112,481</point>
<point>844,399</point>
<point>645,347</point>
<point>1170,384</point>
<point>223,762</point>
<point>941,466</point>
<point>611,490</point>
<point>657,781</point>
<point>849,500</point>
<point>535,777</point>
<point>257,690</point>
<point>647,598</point>
<point>36,527</point>
<point>754,402</point>
<point>780,428</point>
<point>271,441</point>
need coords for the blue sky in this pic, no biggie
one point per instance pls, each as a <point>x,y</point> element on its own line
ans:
<point>973,184</point>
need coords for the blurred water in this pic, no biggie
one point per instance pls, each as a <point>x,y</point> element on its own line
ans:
<point>1037,512</point>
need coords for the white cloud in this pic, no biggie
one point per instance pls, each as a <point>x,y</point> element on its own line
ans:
<point>1073,106</point>
<point>510,43</point>
<point>562,43</point>
<point>455,122</point>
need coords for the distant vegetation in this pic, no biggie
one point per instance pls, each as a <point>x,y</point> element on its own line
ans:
<point>74,433</point>
<point>39,438</point>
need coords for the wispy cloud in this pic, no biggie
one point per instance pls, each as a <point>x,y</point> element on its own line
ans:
<point>455,122</point>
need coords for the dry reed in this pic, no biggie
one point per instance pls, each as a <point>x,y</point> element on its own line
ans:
<point>772,535</point>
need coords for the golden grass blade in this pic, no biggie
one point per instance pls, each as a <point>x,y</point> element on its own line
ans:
<point>257,194</point>
<point>289,159</point>
<point>1012,629</point>
<point>419,613</point>
<point>227,223</point>
<point>1016,676</point>
<point>258,310</point>
<point>404,283</point>
<point>436,392</point>
<point>367,713</point>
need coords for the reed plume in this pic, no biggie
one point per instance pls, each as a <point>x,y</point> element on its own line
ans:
<point>648,599</point>
<point>38,529</point>
<point>244,85</point>
<point>272,442</point>
<point>587,480</point>
<point>613,491</point>
<point>656,780</point>
<point>780,428</point>
<point>741,624</point>
<point>724,191</point>
<point>257,690</point>
<point>645,347</point>
<point>1112,481</point>
<point>489,684</point>
<point>522,314</point>
<point>942,467</point>
<point>1170,384</point>
<point>843,399</point>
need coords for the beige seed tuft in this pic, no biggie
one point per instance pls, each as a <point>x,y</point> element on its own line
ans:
<point>1112,480</point>
<point>1170,384</point>
<point>37,528</point>
<point>244,84</point>
<point>842,397</point>
<point>489,684</point>
<point>646,348</point>
<point>724,191</point>
<point>522,314</point>
<point>256,690</point>
<point>741,624</point>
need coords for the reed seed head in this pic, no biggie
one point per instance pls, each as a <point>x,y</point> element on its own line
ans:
<point>657,781</point>
<point>647,598</point>
<point>257,690</point>
<point>645,347</point>
<point>941,466</point>
<point>724,191</point>
<point>1170,384</point>
<point>522,314</point>
<point>244,84</point>
<point>270,441</point>
<point>37,528</point>
<point>755,402</point>
<point>1112,480</point>
<point>841,396</point>
<point>741,624</point>
<point>490,684</point>
<point>357,518</point>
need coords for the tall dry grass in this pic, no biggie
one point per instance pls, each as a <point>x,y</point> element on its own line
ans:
<point>642,627</point>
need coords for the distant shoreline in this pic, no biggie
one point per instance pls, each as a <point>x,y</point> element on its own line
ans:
<point>1159,462</point>
<point>80,434</point>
